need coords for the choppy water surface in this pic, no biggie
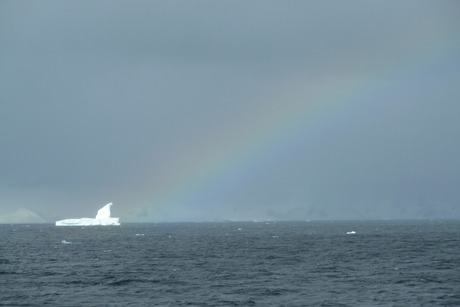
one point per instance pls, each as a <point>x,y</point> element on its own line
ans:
<point>386,263</point>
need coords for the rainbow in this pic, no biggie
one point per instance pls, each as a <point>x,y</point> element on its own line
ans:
<point>300,110</point>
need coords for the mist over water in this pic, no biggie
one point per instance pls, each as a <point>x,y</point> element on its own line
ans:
<point>374,263</point>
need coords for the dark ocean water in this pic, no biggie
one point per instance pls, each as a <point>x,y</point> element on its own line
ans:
<point>386,263</point>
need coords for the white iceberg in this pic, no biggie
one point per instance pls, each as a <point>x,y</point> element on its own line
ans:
<point>102,219</point>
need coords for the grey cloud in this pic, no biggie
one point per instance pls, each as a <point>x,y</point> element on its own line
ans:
<point>97,96</point>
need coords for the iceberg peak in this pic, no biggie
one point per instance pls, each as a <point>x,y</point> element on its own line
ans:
<point>104,212</point>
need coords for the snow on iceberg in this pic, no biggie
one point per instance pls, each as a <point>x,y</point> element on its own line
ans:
<point>102,219</point>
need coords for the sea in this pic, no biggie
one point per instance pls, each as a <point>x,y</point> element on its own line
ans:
<point>307,263</point>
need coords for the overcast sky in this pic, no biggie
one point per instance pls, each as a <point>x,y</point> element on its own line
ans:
<point>242,110</point>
